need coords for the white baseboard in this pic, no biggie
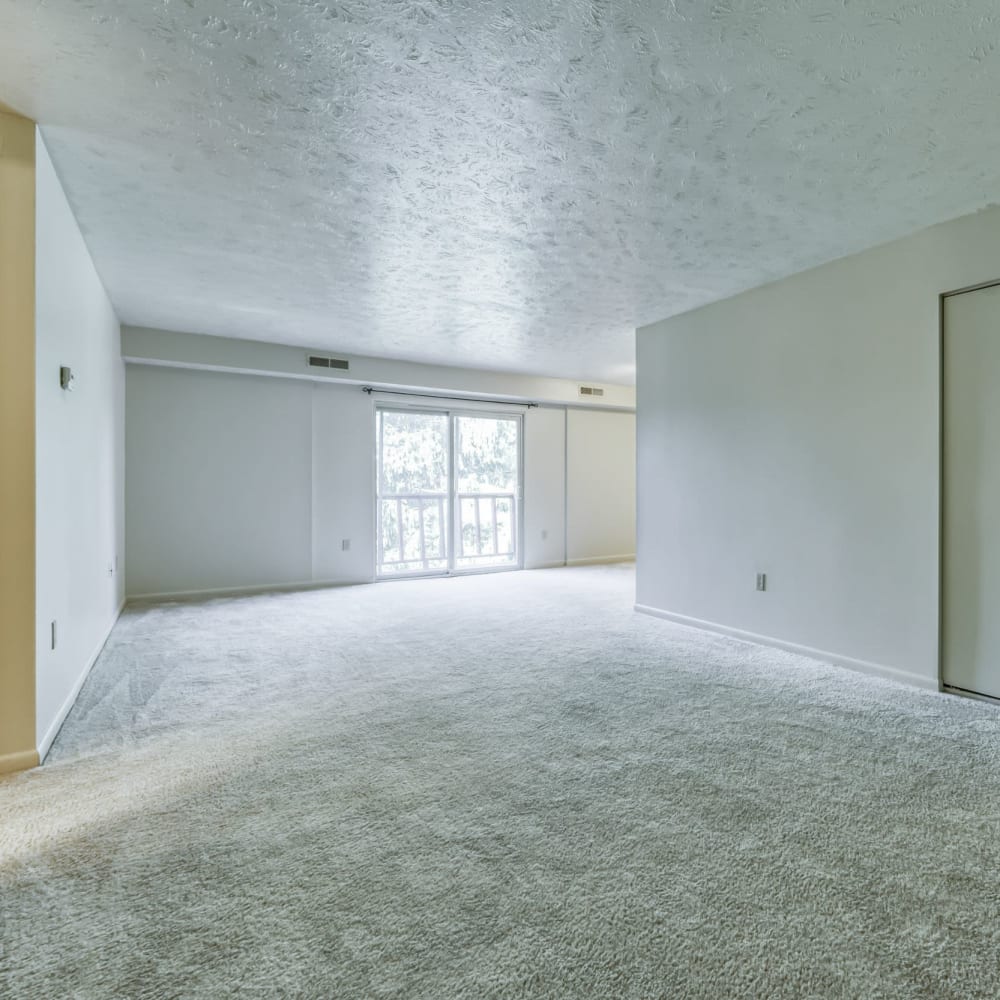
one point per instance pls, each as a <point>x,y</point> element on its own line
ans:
<point>601,560</point>
<point>859,666</point>
<point>45,744</point>
<point>546,565</point>
<point>259,588</point>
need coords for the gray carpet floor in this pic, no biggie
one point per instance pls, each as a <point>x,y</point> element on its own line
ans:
<point>508,786</point>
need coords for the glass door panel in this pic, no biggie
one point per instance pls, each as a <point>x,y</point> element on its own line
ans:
<point>487,487</point>
<point>413,492</point>
<point>449,488</point>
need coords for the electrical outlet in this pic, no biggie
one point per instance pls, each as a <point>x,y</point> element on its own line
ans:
<point>762,581</point>
<point>545,533</point>
<point>345,545</point>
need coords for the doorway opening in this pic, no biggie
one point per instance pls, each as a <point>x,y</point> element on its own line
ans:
<point>449,486</point>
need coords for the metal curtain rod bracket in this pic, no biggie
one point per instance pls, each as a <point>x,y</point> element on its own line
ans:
<point>433,395</point>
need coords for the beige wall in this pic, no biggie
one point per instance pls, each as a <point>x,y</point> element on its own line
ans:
<point>17,443</point>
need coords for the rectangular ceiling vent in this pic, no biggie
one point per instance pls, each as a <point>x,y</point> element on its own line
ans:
<point>319,362</point>
<point>591,390</point>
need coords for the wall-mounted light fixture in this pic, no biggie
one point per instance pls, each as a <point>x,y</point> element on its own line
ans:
<point>66,378</point>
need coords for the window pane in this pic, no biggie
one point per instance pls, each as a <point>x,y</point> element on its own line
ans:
<point>405,549</point>
<point>487,455</point>
<point>434,529</point>
<point>505,527</point>
<point>412,551</point>
<point>390,532</point>
<point>414,455</point>
<point>470,534</point>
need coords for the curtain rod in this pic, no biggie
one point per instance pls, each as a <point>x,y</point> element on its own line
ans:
<point>436,395</point>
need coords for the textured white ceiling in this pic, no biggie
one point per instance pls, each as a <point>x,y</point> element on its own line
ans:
<point>510,184</point>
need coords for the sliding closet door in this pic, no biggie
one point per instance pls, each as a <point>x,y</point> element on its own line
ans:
<point>970,603</point>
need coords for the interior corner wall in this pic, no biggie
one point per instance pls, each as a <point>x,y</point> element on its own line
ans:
<point>794,430</point>
<point>17,443</point>
<point>600,486</point>
<point>79,457</point>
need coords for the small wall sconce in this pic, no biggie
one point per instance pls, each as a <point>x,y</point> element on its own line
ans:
<point>66,378</point>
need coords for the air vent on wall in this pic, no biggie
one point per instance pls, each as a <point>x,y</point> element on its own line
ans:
<point>591,390</point>
<point>317,362</point>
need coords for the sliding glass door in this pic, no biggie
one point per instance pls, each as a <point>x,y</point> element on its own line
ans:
<point>487,485</point>
<point>414,492</point>
<point>449,489</point>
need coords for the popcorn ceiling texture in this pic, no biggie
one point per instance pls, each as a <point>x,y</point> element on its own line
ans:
<point>509,184</point>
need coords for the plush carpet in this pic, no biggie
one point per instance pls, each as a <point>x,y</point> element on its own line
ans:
<point>508,786</point>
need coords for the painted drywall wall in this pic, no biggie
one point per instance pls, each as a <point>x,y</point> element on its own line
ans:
<point>343,476</point>
<point>17,443</point>
<point>600,486</point>
<point>244,481</point>
<point>241,481</point>
<point>793,430</point>
<point>219,485</point>
<point>80,458</point>
<point>544,487</point>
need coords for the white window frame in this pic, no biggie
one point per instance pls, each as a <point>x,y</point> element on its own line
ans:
<point>453,517</point>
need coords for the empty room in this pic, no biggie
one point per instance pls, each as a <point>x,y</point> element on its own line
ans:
<point>499,499</point>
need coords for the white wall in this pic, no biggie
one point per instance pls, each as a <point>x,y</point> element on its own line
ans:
<point>240,481</point>
<point>600,486</point>
<point>80,466</point>
<point>793,430</point>
<point>545,487</point>
<point>219,481</point>
<point>243,481</point>
<point>343,483</point>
